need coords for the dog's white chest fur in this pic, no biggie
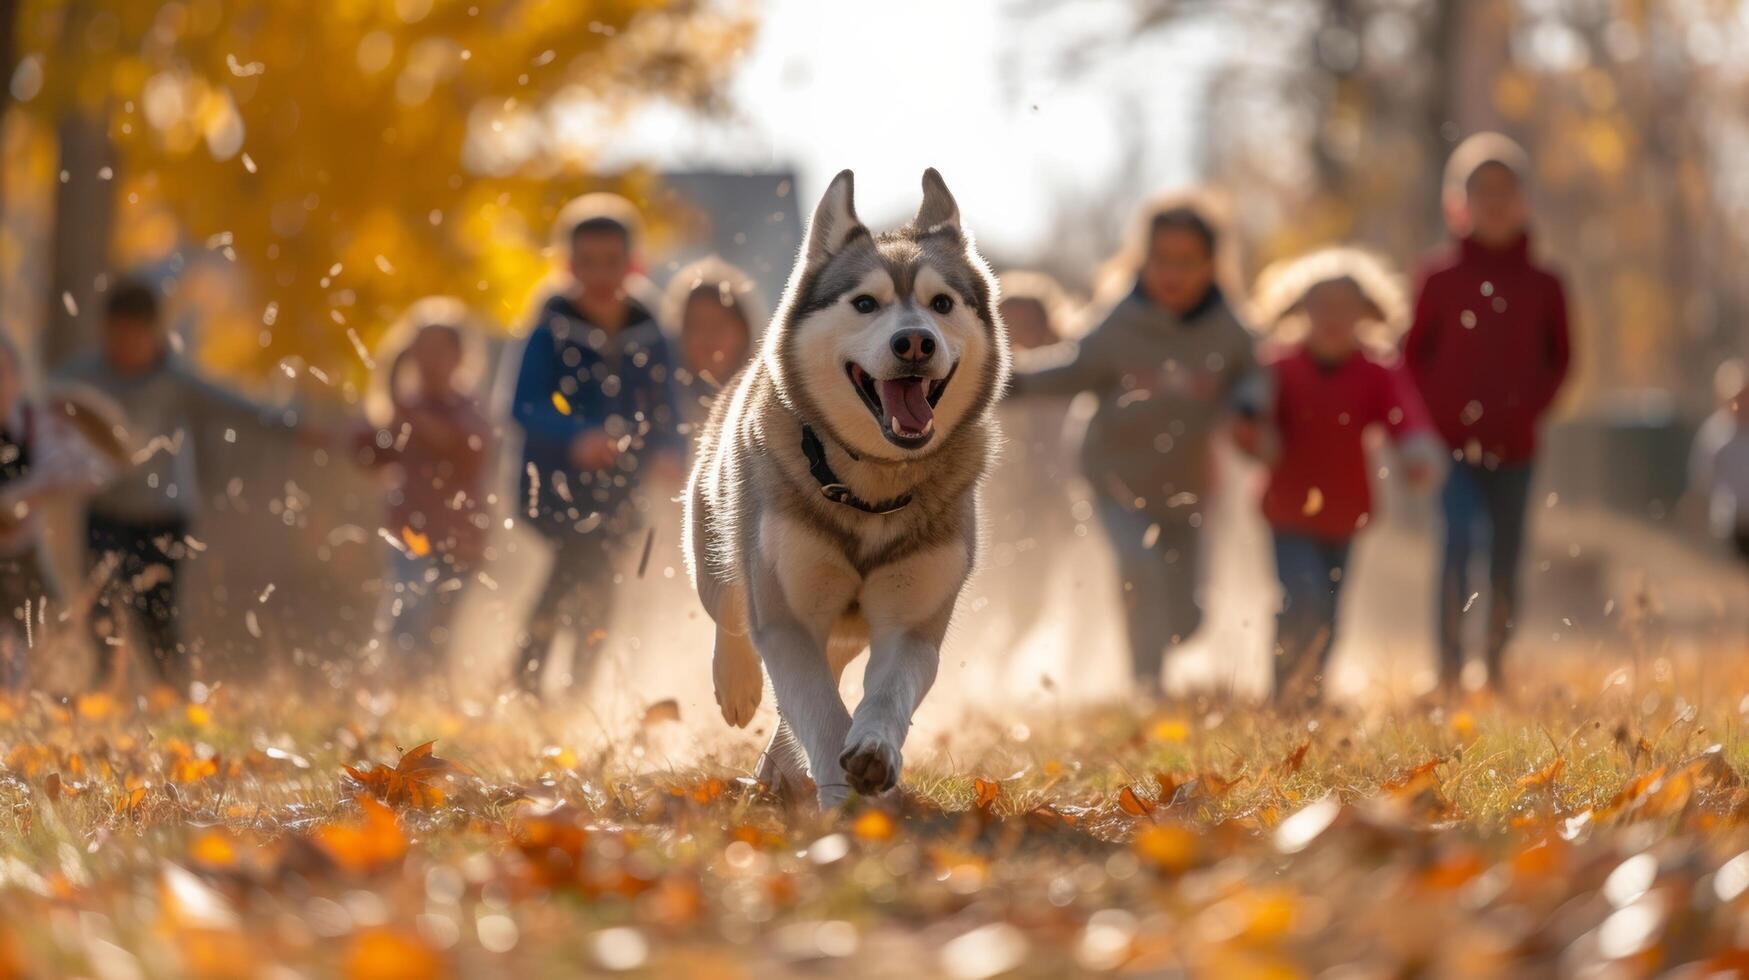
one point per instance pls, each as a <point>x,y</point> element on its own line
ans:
<point>820,585</point>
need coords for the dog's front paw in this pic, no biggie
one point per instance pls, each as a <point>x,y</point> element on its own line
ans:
<point>738,693</point>
<point>871,765</point>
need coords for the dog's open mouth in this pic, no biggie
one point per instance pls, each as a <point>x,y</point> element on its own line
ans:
<point>904,407</point>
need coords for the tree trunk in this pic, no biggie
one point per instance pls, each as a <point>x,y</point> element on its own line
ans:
<point>8,40</point>
<point>84,213</point>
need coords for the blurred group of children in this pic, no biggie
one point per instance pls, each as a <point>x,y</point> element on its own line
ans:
<point>599,404</point>
<point>609,382</point>
<point>1175,363</point>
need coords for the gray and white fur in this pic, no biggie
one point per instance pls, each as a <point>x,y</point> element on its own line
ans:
<point>889,349</point>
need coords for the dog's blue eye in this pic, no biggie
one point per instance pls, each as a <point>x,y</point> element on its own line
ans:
<point>942,303</point>
<point>865,304</point>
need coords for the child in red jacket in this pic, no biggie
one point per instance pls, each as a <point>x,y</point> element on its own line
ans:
<point>1330,394</point>
<point>1488,351</point>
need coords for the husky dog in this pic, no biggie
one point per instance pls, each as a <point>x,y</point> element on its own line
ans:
<point>832,504</point>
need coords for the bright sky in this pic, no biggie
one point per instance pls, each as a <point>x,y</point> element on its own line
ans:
<point>971,87</point>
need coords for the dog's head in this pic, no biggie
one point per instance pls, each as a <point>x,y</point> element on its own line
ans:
<point>891,342</point>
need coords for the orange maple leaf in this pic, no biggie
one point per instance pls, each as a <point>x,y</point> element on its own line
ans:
<point>412,782</point>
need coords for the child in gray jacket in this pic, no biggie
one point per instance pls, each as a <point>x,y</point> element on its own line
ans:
<point>1170,363</point>
<point>137,524</point>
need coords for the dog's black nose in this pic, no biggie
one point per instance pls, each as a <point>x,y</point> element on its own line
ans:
<point>913,345</point>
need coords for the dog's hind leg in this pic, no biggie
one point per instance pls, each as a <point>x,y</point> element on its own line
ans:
<point>783,768</point>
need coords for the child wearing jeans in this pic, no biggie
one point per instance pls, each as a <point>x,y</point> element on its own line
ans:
<point>433,441</point>
<point>1330,393</point>
<point>1489,351</point>
<point>594,398</point>
<point>180,424</point>
<point>1170,363</point>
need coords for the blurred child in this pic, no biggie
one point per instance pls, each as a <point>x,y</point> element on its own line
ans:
<point>714,313</point>
<point>140,519</point>
<point>594,397</point>
<point>1330,394</point>
<point>1169,363</point>
<point>1033,309</point>
<point>434,440</point>
<point>1489,351</point>
<point>43,451</point>
<point>1718,465</point>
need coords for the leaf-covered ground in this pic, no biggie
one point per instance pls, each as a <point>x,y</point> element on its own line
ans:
<point>1595,824</point>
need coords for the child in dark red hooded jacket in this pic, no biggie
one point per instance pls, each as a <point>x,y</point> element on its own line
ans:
<point>1331,392</point>
<point>1489,351</point>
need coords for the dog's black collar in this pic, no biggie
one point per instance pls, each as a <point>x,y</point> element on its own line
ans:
<point>835,491</point>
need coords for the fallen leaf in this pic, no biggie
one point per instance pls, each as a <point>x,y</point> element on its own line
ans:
<point>1296,758</point>
<point>1413,778</point>
<point>412,781</point>
<point>707,790</point>
<point>873,825</point>
<point>665,710</point>
<point>214,850</point>
<point>95,706</point>
<point>1167,846</point>
<point>390,954</point>
<point>1169,730</point>
<point>369,844</point>
<point>1544,776</point>
<point>1133,804</point>
<point>1218,785</point>
<point>987,792</point>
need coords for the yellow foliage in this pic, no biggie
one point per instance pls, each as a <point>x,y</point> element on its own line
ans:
<point>296,150</point>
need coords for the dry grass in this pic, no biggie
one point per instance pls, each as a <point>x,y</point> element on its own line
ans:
<point>1597,825</point>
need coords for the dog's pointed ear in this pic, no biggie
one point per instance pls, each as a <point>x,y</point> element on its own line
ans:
<point>938,208</point>
<point>835,221</point>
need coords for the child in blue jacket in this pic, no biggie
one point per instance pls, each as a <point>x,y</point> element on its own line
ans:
<point>594,398</point>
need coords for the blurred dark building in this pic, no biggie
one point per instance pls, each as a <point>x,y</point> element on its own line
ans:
<point>749,219</point>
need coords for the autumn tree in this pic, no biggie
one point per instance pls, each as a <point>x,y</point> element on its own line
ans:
<point>309,170</point>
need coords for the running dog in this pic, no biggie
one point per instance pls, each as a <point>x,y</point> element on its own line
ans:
<point>833,505</point>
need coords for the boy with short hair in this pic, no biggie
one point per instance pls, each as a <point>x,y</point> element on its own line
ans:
<point>140,519</point>
<point>1489,350</point>
<point>594,397</point>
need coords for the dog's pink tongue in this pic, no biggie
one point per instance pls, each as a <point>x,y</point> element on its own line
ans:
<point>907,400</point>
